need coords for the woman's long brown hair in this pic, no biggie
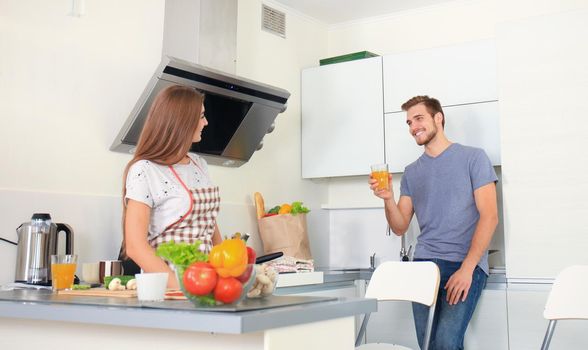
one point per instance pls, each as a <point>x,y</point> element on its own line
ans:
<point>167,134</point>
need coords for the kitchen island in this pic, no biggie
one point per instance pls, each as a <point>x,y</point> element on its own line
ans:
<point>32,319</point>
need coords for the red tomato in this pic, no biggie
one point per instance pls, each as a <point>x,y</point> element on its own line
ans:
<point>251,255</point>
<point>200,278</point>
<point>228,290</point>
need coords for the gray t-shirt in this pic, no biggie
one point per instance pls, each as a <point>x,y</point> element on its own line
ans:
<point>442,192</point>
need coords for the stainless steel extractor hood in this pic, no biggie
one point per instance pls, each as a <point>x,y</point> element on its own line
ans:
<point>239,111</point>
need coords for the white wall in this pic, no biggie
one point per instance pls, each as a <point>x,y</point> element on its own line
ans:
<point>275,170</point>
<point>67,84</point>
<point>439,25</point>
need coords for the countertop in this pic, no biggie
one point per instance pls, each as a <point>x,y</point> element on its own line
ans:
<point>257,315</point>
<point>335,275</point>
<point>252,316</point>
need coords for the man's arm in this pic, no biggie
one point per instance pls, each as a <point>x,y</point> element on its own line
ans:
<point>459,283</point>
<point>397,215</point>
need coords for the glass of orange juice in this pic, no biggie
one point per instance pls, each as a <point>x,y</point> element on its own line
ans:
<point>63,269</point>
<point>380,173</point>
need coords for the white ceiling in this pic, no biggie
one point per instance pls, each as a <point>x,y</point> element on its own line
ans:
<point>338,11</point>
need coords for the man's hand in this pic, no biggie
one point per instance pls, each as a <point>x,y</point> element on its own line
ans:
<point>458,286</point>
<point>384,194</point>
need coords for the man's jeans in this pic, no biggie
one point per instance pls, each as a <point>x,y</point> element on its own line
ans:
<point>451,321</point>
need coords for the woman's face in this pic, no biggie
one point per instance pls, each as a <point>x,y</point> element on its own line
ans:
<point>202,122</point>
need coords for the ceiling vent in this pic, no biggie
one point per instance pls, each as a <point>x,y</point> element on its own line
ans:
<point>273,21</point>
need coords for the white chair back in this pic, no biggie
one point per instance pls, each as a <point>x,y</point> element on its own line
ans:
<point>416,281</point>
<point>567,300</point>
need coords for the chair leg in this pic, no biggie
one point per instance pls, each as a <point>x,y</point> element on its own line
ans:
<point>362,329</point>
<point>548,334</point>
<point>427,339</point>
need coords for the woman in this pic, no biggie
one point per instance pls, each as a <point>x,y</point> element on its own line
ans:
<point>168,194</point>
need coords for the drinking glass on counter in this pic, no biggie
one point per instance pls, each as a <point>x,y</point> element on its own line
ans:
<point>91,272</point>
<point>380,173</point>
<point>63,269</point>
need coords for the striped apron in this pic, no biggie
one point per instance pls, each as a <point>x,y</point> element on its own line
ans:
<point>198,223</point>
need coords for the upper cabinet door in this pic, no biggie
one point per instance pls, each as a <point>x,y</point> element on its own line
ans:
<point>475,125</point>
<point>342,118</point>
<point>454,75</point>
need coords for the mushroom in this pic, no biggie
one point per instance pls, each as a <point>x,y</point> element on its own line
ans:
<point>255,292</point>
<point>132,284</point>
<point>263,279</point>
<point>116,284</point>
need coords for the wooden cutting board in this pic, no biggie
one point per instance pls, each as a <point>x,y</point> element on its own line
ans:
<point>100,292</point>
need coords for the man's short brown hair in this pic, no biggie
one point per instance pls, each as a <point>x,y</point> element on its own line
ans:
<point>432,104</point>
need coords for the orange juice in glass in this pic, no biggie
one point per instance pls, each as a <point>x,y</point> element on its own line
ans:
<point>63,269</point>
<point>380,173</point>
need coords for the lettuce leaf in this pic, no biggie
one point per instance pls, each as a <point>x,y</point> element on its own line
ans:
<point>181,254</point>
<point>298,208</point>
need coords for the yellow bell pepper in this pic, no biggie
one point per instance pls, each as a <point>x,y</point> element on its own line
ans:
<point>229,258</point>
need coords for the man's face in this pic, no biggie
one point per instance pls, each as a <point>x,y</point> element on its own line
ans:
<point>421,124</point>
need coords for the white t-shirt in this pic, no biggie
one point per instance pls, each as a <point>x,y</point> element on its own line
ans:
<point>156,186</point>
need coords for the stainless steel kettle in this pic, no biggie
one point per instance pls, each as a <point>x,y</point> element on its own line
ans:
<point>37,241</point>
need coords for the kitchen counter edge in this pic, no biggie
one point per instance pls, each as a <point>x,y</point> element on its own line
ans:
<point>188,320</point>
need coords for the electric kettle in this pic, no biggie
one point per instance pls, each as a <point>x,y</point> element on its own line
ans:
<point>37,241</point>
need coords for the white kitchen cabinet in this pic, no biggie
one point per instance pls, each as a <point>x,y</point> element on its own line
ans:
<point>474,125</point>
<point>342,118</point>
<point>355,289</point>
<point>392,323</point>
<point>526,325</point>
<point>544,79</point>
<point>488,329</point>
<point>455,75</point>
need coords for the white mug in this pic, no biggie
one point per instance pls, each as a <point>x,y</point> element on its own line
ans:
<point>151,286</point>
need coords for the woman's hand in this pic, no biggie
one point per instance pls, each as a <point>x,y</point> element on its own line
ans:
<point>138,249</point>
<point>384,194</point>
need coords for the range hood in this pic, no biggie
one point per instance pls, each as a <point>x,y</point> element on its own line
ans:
<point>239,111</point>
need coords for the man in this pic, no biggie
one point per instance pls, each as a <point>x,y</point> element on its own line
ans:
<point>452,190</point>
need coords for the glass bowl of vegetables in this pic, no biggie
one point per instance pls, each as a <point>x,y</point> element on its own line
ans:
<point>203,286</point>
<point>223,276</point>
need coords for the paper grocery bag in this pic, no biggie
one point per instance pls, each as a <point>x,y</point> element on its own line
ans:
<point>285,233</point>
